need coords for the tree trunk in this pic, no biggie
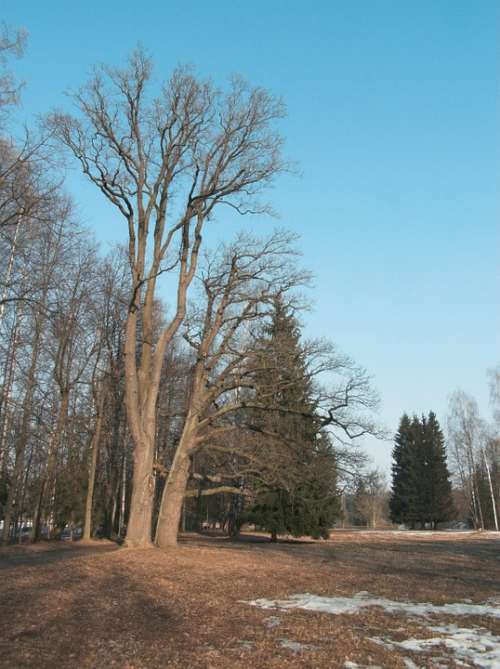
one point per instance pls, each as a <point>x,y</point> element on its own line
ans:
<point>35,536</point>
<point>478,502</point>
<point>123,497</point>
<point>492,494</point>
<point>141,503</point>
<point>142,430</point>
<point>94,449</point>
<point>56,441</point>
<point>173,492</point>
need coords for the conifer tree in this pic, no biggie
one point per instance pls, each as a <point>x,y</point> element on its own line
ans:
<point>399,503</point>
<point>421,488</point>
<point>302,499</point>
<point>436,504</point>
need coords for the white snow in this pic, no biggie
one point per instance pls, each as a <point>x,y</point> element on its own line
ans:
<point>351,605</point>
<point>409,663</point>
<point>272,621</point>
<point>294,646</point>
<point>467,645</point>
<point>475,644</point>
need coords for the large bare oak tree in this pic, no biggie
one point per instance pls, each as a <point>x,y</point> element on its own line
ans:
<point>166,163</point>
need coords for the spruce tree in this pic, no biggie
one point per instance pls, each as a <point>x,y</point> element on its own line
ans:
<point>399,503</point>
<point>437,504</point>
<point>302,499</point>
<point>421,488</point>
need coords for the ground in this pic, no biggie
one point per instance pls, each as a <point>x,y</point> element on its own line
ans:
<point>98,605</point>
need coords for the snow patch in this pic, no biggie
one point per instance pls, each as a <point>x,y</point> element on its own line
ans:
<point>466,645</point>
<point>476,644</point>
<point>351,605</point>
<point>272,621</point>
<point>294,646</point>
<point>409,663</point>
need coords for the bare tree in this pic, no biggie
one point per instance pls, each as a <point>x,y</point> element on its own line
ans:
<point>12,44</point>
<point>468,437</point>
<point>239,284</point>
<point>239,293</point>
<point>371,498</point>
<point>166,164</point>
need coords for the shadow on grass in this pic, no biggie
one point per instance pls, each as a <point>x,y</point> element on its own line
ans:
<point>45,553</point>
<point>77,615</point>
<point>472,563</point>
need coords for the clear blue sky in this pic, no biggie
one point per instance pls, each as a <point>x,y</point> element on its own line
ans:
<point>394,120</point>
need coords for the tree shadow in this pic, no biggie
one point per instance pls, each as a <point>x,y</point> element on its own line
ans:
<point>73,615</point>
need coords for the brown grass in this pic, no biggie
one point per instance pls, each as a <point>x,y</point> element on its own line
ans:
<point>96,605</point>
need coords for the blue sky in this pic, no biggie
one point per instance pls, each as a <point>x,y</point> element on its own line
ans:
<point>393,117</point>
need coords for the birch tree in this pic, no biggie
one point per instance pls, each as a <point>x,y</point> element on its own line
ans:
<point>475,455</point>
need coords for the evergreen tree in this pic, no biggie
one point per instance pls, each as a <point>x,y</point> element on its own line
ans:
<point>314,502</point>
<point>301,499</point>
<point>436,504</point>
<point>421,488</point>
<point>399,504</point>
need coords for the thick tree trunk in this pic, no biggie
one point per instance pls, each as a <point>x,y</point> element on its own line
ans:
<point>139,527</point>
<point>174,491</point>
<point>142,430</point>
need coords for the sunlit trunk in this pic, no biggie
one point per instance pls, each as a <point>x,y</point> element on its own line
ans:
<point>175,488</point>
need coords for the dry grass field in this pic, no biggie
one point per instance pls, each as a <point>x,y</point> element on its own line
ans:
<point>97,605</point>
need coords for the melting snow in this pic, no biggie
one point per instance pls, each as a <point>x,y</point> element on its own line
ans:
<point>272,621</point>
<point>409,664</point>
<point>475,644</point>
<point>468,645</point>
<point>349,605</point>
<point>294,646</point>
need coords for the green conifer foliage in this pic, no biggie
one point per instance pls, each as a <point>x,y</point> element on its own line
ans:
<point>399,503</point>
<point>301,499</point>
<point>421,488</point>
